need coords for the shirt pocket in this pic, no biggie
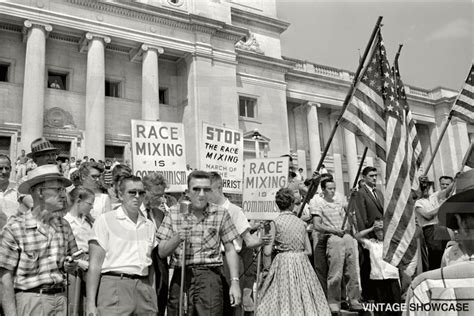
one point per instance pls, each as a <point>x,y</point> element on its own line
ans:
<point>29,263</point>
<point>211,239</point>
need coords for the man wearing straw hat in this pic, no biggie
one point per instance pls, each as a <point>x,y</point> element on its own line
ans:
<point>36,247</point>
<point>451,287</point>
<point>43,152</point>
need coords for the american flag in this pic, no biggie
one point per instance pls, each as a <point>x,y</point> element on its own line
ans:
<point>365,114</point>
<point>464,105</point>
<point>404,156</point>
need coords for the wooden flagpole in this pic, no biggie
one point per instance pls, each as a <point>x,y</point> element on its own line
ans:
<point>315,182</point>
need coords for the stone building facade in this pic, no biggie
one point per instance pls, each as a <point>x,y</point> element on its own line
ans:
<point>77,71</point>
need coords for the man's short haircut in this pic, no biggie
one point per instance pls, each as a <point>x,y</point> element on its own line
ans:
<point>125,179</point>
<point>154,178</point>
<point>198,174</point>
<point>120,171</point>
<point>3,156</point>
<point>326,176</point>
<point>215,177</point>
<point>84,169</point>
<point>447,178</point>
<point>284,198</point>
<point>368,169</point>
<point>325,182</point>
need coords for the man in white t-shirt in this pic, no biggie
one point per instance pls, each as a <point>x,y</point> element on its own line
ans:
<point>240,221</point>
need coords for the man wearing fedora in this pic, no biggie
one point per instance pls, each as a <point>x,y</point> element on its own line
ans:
<point>43,152</point>
<point>36,247</point>
<point>453,283</point>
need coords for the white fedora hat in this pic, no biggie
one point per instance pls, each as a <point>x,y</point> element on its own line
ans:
<point>42,174</point>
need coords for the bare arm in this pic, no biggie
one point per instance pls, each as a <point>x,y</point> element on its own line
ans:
<point>96,259</point>
<point>427,214</point>
<point>233,262</point>
<point>167,247</point>
<point>361,235</point>
<point>8,297</point>
<point>322,228</point>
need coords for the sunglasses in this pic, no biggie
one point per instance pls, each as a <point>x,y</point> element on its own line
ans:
<point>198,190</point>
<point>133,193</point>
<point>57,189</point>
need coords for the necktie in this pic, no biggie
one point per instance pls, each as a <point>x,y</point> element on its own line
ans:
<point>375,194</point>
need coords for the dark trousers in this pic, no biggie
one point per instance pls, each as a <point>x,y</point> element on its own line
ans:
<point>161,280</point>
<point>365,281</point>
<point>321,263</point>
<point>436,238</point>
<point>387,291</point>
<point>204,289</point>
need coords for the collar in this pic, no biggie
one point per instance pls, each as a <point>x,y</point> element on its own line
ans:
<point>226,204</point>
<point>120,214</point>
<point>31,222</point>
<point>78,220</point>
<point>211,209</point>
<point>369,187</point>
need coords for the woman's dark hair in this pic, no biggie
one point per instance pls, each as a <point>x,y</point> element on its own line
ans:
<point>284,198</point>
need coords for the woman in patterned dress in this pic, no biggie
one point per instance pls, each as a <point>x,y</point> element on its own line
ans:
<point>291,286</point>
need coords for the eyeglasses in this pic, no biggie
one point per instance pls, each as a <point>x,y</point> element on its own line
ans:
<point>57,189</point>
<point>95,176</point>
<point>6,168</point>
<point>133,193</point>
<point>198,190</point>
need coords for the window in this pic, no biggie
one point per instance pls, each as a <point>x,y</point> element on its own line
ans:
<point>112,89</point>
<point>4,72</point>
<point>5,145</point>
<point>57,80</point>
<point>64,147</point>
<point>163,96</point>
<point>112,152</point>
<point>247,107</point>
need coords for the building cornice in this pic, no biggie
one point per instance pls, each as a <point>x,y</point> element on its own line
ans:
<point>165,16</point>
<point>250,18</point>
<point>253,59</point>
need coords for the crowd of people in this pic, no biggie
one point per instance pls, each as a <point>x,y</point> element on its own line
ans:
<point>86,236</point>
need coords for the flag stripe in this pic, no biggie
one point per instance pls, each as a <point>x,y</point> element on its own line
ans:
<point>464,105</point>
<point>376,147</point>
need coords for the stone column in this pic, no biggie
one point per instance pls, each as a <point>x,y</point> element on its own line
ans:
<point>94,142</point>
<point>34,82</point>
<point>150,83</point>
<point>313,133</point>
<point>351,155</point>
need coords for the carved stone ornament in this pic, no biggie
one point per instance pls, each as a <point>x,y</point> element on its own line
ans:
<point>250,44</point>
<point>58,118</point>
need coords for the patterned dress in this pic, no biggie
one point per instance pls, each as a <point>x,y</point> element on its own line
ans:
<point>291,286</point>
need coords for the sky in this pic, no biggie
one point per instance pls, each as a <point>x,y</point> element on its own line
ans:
<point>437,36</point>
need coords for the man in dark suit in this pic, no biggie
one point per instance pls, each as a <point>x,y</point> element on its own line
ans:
<point>369,201</point>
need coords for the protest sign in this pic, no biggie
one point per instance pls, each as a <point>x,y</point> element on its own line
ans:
<point>222,151</point>
<point>159,147</point>
<point>262,179</point>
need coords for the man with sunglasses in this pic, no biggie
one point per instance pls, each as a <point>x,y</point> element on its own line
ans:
<point>120,257</point>
<point>206,226</point>
<point>36,248</point>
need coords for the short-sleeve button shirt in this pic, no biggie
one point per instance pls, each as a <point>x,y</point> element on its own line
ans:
<point>332,213</point>
<point>35,252</point>
<point>127,245</point>
<point>206,235</point>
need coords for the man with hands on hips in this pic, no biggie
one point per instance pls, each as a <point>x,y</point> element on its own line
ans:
<point>204,229</point>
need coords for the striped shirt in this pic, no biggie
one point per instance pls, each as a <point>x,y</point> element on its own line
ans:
<point>35,253</point>
<point>206,235</point>
<point>332,213</point>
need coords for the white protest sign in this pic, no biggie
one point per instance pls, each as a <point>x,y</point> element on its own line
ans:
<point>159,147</point>
<point>262,179</point>
<point>222,151</point>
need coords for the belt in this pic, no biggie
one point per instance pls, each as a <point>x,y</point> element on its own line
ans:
<point>44,290</point>
<point>126,276</point>
<point>197,267</point>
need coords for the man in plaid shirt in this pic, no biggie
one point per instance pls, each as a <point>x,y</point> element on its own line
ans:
<point>36,247</point>
<point>204,229</point>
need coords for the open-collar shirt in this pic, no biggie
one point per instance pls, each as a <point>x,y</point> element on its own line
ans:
<point>127,245</point>
<point>206,235</point>
<point>35,252</point>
